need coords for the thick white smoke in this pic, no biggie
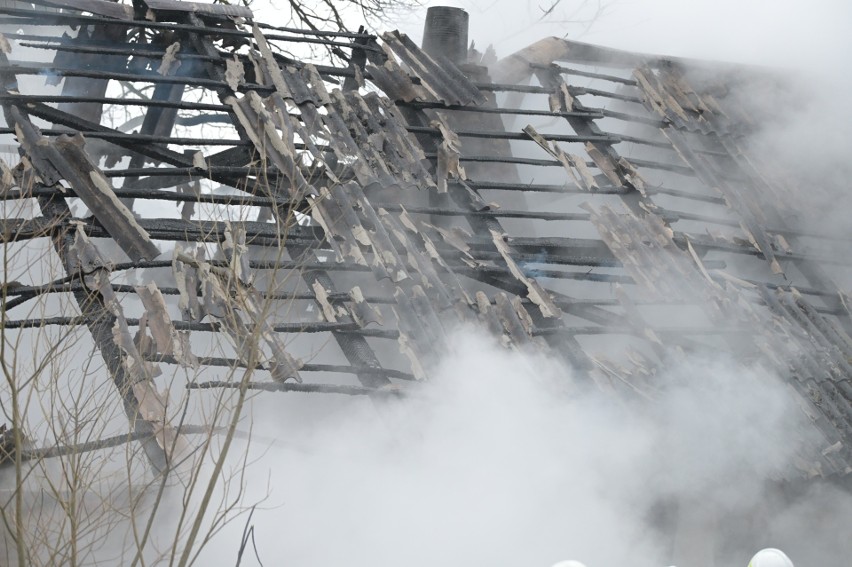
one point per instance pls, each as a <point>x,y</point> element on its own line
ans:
<point>496,462</point>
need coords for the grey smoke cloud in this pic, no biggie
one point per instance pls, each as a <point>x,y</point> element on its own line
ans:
<point>500,461</point>
<point>781,33</point>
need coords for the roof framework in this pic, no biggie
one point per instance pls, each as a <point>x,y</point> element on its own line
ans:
<point>561,203</point>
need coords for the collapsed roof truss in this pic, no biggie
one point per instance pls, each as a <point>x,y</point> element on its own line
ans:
<point>393,200</point>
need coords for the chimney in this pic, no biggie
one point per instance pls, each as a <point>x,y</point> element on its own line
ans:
<point>445,33</point>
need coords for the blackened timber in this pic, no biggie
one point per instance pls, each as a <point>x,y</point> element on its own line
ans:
<point>568,347</point>
<point>83,86</point>
<point>610,139</point>
<point>253,264</point>
<point>110,9</point>
<point>18,229</point>
<point>497,110</point>
<point>582,73</point>
<point>686,195</point>
<point>509,213</point>
<point>443,77</point>
<point>23,294</point>
<point>92,187</point>
<point>625,330</point>
<point>569,257</point>
<point>93,129</point>
<point>150,77</point>
<point>540,188</point>
<point>505,213</point>
<point>118,440</point>
<point>819,331</point>
<point>319,33</point>
<point>479,271</point>
<point>97,7</point>
<point>787,287</point>
<point>610,323</point>
<point>500,159</point>
<point>682,170</point>
<point>65,158</point>
<point>326,71</point>
<point>100,320</point>
<point>39,18</point>
<point>303,388</point>
<point>483,273</point>
<point>213,199</point>
<point>204,45</point>
<point>140,139</point>
<point>464,197</point>
<point>158,121</point>
<point>187,231</point>
<point>553,81</point>
<point>123,101</point>
<point>357,64</point>
<point>674,168</point>
<point>575,91</point>
<point>130,49</point>
<point>191,172</point>
<point>627,117</point>
<point>355,348</point>
<point>154,151</point>
<point>292,328</point>
<point>307,367</point>
<point>172,8</point>
<point>643,141</point>
<point>703,242</point>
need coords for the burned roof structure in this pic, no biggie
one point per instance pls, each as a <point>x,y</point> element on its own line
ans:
<point>329,225</point>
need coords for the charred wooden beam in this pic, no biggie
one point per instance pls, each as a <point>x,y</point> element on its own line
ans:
<point>575,91</point>
<point>40,18</point>
<point>100,321</point>
<point>424,105</point>
<point>93,188</point>
<point>392,392</point>
<point>610,139</point>
<point>668,332</point>
<point>158,121</point>
<point>135,141</point>
<point>123,101</point>
<point>582,73</point>
<point>307,367</point>
<point>140,51</point>
<point>355,348</point>
<point>292,328</point>
<point>81,86</point>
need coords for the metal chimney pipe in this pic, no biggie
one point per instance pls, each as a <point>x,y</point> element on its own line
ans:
<point>445,33</point>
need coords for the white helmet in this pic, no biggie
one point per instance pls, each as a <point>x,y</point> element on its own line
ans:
<point>770,558</point>
<point>569,563</point>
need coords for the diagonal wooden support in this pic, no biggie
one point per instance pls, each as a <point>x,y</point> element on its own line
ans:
<point>100,318</point>
<point>101,321</point>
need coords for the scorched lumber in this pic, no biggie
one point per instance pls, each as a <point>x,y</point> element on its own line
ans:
<point>92,187</point>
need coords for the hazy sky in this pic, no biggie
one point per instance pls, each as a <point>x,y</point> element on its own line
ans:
<point>773,32</point>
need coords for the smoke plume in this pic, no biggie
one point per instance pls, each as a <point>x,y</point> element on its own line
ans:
<point>507,459</point>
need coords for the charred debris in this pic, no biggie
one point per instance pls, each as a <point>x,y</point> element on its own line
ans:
<point>596,205</point>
